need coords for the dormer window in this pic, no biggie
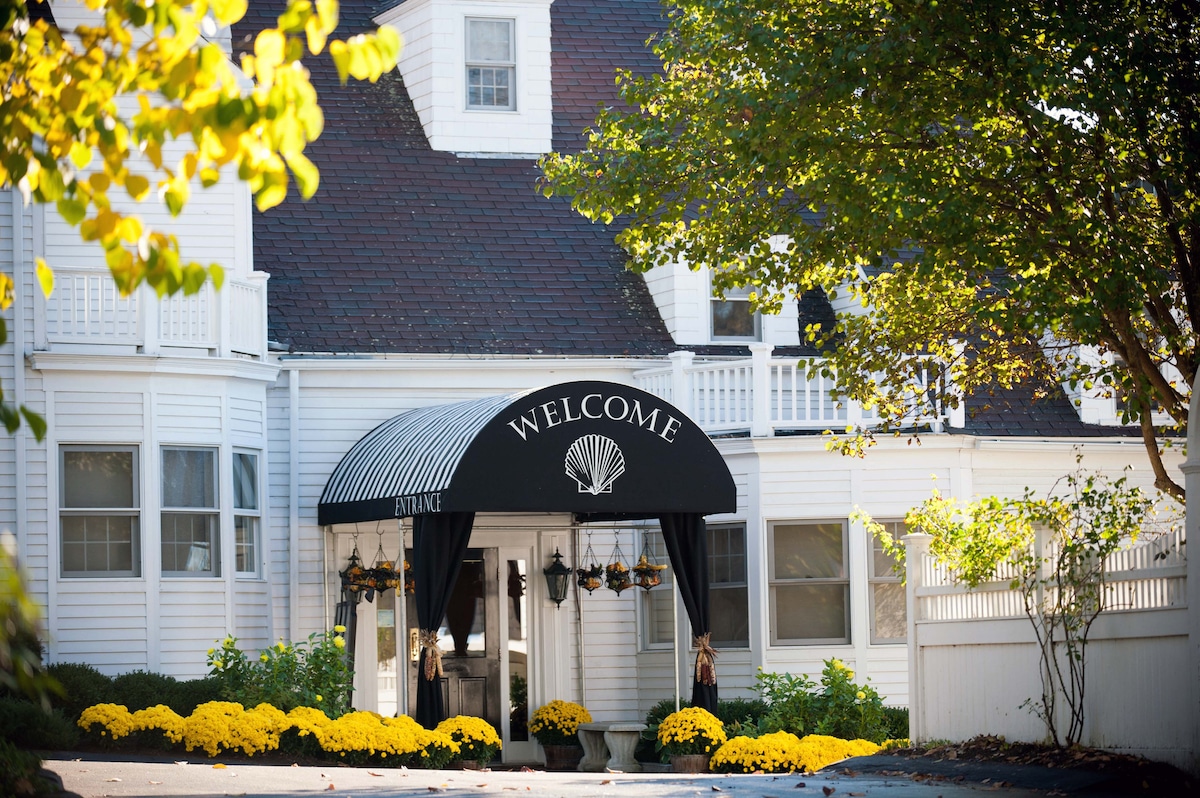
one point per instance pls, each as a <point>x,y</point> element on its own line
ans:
<point>491,64</point>
<point>732,318</point>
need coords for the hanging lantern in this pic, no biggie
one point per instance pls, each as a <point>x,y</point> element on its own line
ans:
<point>354,577</point>
<point>647,573</point>
<point>617,572</point>
<point>557,576</point>
<point>591,575</point>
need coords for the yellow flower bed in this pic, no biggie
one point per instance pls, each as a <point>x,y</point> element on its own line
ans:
<point>558,722</point>
<point>784,752</point>
<point>692,730</point>
<point>476,738</point>
<point>219,726</point>
<point>115,720</point>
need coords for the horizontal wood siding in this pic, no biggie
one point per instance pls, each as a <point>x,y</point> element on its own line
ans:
<point>246,418</point>
<point>188,417</point>
<point>102,623</point>
<point>191,621</point>
<point>77,415</point>
<point>251,614</point>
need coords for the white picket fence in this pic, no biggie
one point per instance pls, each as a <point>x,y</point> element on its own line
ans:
<point>974,659</point>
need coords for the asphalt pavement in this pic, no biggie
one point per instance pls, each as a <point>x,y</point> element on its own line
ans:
<point>98,776</point>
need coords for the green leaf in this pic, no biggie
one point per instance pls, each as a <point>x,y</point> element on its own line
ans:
<point>72,211</point>
<point>307,177</point>
<point>37,424</point>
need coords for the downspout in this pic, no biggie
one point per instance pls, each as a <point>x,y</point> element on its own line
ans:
<point>578,612</point>
<point>294,503</point>
<point>18,341</point>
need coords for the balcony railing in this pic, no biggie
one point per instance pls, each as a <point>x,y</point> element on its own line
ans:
<point>86,309</point>
<point>761,395</point>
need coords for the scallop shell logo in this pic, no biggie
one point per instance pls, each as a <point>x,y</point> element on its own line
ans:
<point>595,462</point>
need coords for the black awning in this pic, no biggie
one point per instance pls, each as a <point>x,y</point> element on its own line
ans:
<point>593,448</point>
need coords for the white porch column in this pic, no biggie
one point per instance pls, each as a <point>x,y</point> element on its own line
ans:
<point>916,546</point>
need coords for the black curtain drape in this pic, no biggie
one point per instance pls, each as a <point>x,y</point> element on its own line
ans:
<point>686,540</point>
<point>439,545</point>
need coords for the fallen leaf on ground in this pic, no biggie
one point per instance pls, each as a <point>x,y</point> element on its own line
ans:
<point>152,781</point>
<point>114,778</point>
<point>218,766</point>
<point>434,789</point>
<point>330,787</point>
<point>800,785</point>
<point>372,773</point>
<point>827,790</point>
<point>715,788</point>
<point>607,781</point>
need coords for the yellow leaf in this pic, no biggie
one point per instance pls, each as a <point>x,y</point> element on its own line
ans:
<point>268,53</point>
<point>45,277</point>
<point>307,176</point>
<point>315,34</point>
<point>6,291</point>
<point>228,12</point>
<point>81,154</point>
<point>217,275</point>
<point>99,182</point>
<point>327,10</point>
<point>341,59</point>
<point>137,186</point>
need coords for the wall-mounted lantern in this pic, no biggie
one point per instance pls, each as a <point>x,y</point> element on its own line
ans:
<point>557,578</point>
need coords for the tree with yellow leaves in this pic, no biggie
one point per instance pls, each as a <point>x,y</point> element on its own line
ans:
<point>85,115</point>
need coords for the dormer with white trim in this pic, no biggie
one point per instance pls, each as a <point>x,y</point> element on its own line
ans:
<point>478,73</point>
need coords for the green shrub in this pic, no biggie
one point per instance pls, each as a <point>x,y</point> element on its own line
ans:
<point>838,707</point>
<point>194,692</point>
<point>313,673</point>
<point>83,686</point>
<point>19,772</point>
<point>27,723</point>
<point>895,721</point>
<point>740,715</point>
<point>141,689</point>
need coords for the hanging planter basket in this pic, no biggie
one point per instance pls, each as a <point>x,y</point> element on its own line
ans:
<point>591,575</point>
<point>616,572</point>
<point>647,573</point>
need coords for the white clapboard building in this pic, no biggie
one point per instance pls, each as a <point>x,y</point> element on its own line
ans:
<point>186,486</point>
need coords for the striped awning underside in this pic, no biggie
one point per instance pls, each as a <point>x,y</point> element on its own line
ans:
<point>414,453</point>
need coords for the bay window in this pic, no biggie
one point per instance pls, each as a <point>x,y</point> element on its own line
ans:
<point>190,539</point>
<point>99,511</point>
<point>809,583</point>
<point>247,515</point>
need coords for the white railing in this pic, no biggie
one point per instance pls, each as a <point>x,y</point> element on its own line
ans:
<point>87,309</point>
<point>86,305</point>
<point>1149,574</point>
<point>762,395</point>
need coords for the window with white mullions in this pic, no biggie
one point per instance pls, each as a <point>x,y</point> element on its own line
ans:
<point>889,614</point>
<point>809,583</point>
<point>99,511</point>
<point>247,515</point>
<point>729,615</point>
<point>190,540</point>
<point>732,318</point>
<point>491,64</point>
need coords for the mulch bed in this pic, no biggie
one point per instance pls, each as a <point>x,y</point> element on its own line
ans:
<point>1124,774</point>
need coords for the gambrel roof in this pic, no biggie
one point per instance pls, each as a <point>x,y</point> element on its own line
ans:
<point>408,250</point>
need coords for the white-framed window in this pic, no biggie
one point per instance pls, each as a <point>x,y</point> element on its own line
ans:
<point>889,611</point>
<point>99,511</point>
<point>728,594</point>
<point>190,520</point>
<point>491,64</point>
<point>809,583</point>
<point>729,611</point>
<point>247,514</point>
<point>731,318</point>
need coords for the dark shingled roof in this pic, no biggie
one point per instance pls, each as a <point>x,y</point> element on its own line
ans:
<point>407,250</point>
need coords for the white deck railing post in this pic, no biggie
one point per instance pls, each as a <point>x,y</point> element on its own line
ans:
<point>916,547</point>
<point>760,380</point>
<point>681,397</point>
